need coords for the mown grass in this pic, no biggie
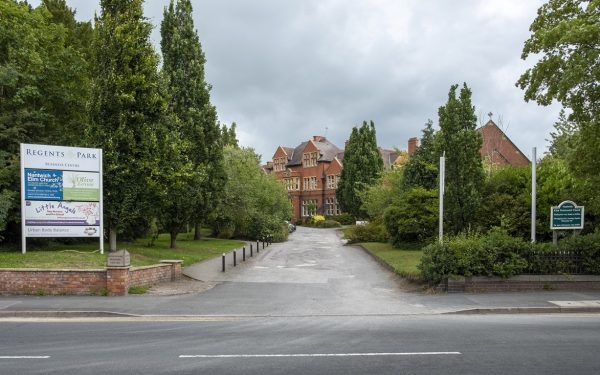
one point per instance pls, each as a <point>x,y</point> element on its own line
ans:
<point>403,260</point>
<point>87,256</point>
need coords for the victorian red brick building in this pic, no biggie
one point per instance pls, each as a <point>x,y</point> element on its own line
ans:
<point>310,172</point>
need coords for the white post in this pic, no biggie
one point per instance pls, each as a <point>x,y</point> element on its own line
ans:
<point>23,234</point>
<point>442,178</point>
<point>533,192</point>
<point>101,204</point>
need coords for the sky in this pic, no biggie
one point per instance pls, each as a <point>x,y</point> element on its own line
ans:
<point>285,71</point>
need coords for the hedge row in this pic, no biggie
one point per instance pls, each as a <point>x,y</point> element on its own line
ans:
<point>499,254</point>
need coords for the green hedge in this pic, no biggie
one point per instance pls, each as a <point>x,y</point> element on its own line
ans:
<point>373,231</point>
<point>499,254</point>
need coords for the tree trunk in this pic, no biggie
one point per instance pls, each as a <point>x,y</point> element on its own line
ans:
<point>112,238</point>
<point>197,235</point>
<point>174,238</point>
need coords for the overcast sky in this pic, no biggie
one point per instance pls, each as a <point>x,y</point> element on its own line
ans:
<point>288,70</point>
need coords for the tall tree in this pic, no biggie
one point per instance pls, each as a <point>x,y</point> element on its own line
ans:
<point>421,169</point>
<point>565,36</point>
<point>362,166</point>
<point>43,90</point>
<point>189,99</point>
<point>126,107</point>
<point>464,169</point>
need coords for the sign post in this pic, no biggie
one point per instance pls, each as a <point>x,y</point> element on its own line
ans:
<point>61,192</point>
<point>442,177</point>
<point>566,216</point>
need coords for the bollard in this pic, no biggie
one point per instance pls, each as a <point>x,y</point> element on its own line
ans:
<point>251,255</point>
<point>257,247</point>
<point>263,244</point>
<point>244,254</point>
<point>223,261</point>
<point>234,259</point>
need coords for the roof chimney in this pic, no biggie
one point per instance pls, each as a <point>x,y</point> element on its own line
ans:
<point>413,143</point>
<point>318,138</point>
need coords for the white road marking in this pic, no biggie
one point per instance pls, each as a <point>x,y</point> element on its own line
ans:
<point>589,303</point>
<point>317,355</point>
<point>24,356</point>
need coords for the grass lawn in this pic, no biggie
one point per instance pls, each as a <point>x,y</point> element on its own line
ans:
<point>87,256</point>
<point>403,260</point>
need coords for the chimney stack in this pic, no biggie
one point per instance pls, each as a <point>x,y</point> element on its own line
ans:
<point>413,143</point>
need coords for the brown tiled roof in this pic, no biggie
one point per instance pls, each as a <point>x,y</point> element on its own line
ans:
<point>327,150</point>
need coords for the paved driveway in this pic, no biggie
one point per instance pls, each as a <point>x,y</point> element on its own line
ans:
<point>313,273</point>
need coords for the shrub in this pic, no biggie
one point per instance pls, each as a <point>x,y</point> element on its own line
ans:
<point>316,219</point>
<point>588,247</point>
<point>373,231</point>
<point>328,224</point>
<point>344,219</point>
<point>494,254</point>
<point>413,218</point>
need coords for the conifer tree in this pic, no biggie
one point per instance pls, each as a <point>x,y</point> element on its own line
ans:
<point>362,166</point>
<point>125,110</point>
<point>464,169</point>
<point>189,99</point>
<point>421,169</point>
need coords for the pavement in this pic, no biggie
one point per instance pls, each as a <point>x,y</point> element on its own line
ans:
<point>312,274</point>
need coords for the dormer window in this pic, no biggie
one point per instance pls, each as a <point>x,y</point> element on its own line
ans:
<point>279,164</point>
<point>309,159</point>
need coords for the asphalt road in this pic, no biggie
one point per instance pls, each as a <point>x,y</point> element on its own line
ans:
<point>443,344</point>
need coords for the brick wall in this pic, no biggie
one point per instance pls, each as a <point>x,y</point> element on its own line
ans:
<point>114,281</point>
<point>522,283</point>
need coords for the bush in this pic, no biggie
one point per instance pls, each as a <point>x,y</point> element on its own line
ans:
<point>373,231</point>
<point>588,247</point>
<point>344,219</point>
<point>328,224</point>
<point>413,218</point>
<point>494,254</point>
<point>316,219</point>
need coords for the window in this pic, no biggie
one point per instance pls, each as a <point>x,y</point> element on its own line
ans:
<point>332,207</point>
<point>279,164</point>
<point>292,183</point>
<point>310,183</point>
<point>332,181</point>
<point>310,159</point>
<point>309,207</point>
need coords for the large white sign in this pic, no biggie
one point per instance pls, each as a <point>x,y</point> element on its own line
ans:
<point>61,192</point>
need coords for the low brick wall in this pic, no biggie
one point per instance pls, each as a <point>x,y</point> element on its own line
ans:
<point>113,281</point>
<point>521,283</point>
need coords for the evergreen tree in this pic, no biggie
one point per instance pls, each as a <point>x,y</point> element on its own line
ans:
<point>362,166</point>
<point>189,99</point>
<point>464,169</point>
<point>125,110</point>
<point>421,170</point>
<point>229,135</point>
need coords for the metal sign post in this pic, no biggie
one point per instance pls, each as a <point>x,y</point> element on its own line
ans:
<point>533,191</point>
<point>442,178</point>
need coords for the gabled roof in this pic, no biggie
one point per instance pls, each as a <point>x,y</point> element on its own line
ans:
<point>327,151</point>
<point>500,146</point>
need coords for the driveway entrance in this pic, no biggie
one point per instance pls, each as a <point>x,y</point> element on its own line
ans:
<point>313,273</point>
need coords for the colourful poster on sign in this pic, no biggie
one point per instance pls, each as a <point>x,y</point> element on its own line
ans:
<point>81,186</point>
<point>43,184</point>
<point>51,213</point>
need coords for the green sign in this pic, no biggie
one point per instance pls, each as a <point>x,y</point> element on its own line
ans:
<point>567,215</point>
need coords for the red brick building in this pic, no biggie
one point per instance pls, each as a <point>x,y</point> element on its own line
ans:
<point>497,149</point>
<point>310,172</point>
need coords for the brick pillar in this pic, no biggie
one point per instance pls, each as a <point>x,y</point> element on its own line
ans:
<point>117,281</point>
<point>176,267</point>
<point>413,143</point>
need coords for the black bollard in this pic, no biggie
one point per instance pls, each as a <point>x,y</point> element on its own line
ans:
<point>234,259</point>
<point>263,244</point>
<point>257,247</point>
<point>223,261</point>
<point>251,255</point>
<point>244,254</point>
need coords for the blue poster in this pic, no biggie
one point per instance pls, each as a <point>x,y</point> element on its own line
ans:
<point>41,184</point>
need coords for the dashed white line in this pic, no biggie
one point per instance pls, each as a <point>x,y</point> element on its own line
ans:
<point>24,356</point>
<point>316,355</point>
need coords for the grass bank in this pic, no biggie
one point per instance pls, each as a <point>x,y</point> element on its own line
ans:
<point>403,260</point>
<point>86,256</point>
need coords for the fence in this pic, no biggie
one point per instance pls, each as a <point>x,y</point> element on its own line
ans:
<point>555,262</point>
